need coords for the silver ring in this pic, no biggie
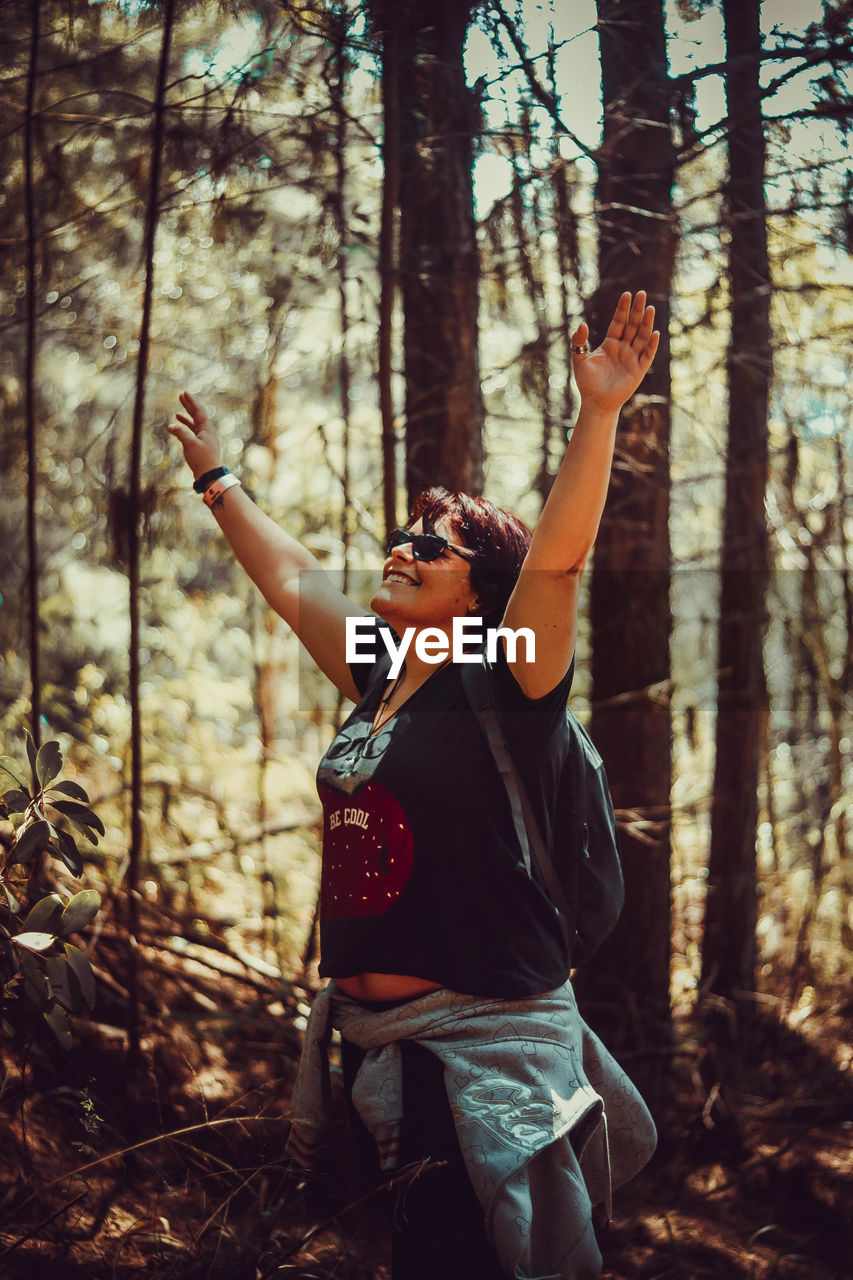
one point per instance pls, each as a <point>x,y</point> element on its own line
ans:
<point>581,351</point>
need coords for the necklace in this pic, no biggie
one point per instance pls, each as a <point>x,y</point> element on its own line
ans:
<point>380,718</point>
<point>383,717</point>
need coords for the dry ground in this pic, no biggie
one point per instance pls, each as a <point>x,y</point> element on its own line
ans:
<point>181,1175</point>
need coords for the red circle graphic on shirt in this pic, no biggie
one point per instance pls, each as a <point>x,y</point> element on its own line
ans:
<point>368,852</point>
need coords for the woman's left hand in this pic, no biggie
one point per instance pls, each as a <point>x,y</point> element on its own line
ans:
<point>610,375</point>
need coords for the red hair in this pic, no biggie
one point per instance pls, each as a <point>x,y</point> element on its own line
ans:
<point>499,538</point>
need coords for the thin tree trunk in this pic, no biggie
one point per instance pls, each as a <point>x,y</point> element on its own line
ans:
<point>439,265</point>
<point>629,592</point>
<point>728,954</point>
<point>131,881</point>
<point>844,547</point>
<point>565,226</point>
<point>338,90</point>
<point>387,258</point>
<point>568,251</point>
<point>537,354</point>
<point>843,686</point>
<point>30,376</point>
<point>266,699</point>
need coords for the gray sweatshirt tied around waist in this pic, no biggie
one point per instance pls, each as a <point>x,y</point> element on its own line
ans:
<point>547,1121</point>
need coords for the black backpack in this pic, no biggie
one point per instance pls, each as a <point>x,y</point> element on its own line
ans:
<point>582,871</point>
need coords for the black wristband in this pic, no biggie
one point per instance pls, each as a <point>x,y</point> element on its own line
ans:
<point>209,476</point>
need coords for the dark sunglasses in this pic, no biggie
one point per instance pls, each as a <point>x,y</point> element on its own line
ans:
<point>425,546</point>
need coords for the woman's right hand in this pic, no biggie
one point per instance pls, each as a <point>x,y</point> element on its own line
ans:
<point>196,436</point>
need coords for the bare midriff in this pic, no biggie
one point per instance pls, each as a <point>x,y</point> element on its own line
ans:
<point>385,986</point>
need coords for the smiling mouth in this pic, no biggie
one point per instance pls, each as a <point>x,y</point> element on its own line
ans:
<point>404,579</point>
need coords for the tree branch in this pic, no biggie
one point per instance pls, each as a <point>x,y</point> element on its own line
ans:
<point>543,97</point>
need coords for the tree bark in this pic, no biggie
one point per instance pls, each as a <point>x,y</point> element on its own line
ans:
<point>568,248</point>
<point>728,956</point>
<point>627,988</point>
<point>338,89</point>
<point>537,352</point>
<point>30,377</point>
<point>439,264</point>
<point>387,260</point>
<point>131,880</point>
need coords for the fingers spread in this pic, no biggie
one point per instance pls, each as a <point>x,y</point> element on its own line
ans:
<point>644,331</point>
<point>635,316</point>
<point>616,329</point>
<point>647,356</point>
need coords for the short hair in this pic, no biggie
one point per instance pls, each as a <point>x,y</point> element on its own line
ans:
<point>499,538</point>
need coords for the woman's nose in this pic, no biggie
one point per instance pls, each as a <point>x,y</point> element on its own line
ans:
<point>404,551</point>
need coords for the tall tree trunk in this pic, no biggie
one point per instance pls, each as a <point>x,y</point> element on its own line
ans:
<point>30,375</point>
<point>536,353</point>
<point>131,881</point>
<point>387,259</point>
<point>566,236</point>
<point>338,88</point>
<point>728,956</point>
<point>438,249</point>
<point>340,218</point>
<point>629,593</point>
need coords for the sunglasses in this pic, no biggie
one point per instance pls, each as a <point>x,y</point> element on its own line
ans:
<point>425,546</point>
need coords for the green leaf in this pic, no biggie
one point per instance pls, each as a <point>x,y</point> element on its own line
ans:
<point>16,800</point>
<point>8,765</point>
<point>36,985</point>
<point>31,751</point>
<point>35,941</point>
<point>32,840</point>
<point>69,853</point>
<point>81,910</point>
<point>84,830</point>
<point>59,976</point>
<point>80,815</point>
<point>57,1019</point>
<point>82,972</point>
<point>48,763</point>
<point>45,914</point>
<point>71,789</point>
<point>8,950</point>
<point>11,901</point>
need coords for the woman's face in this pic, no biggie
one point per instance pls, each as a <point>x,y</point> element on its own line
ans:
<point>420,593</point>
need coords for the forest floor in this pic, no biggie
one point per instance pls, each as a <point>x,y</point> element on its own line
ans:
<point>180,1172</point>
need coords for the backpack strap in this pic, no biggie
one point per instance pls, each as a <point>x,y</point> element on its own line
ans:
<point>480,692</point>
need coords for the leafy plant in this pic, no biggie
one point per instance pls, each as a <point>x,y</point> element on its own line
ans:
<point>43,974</point>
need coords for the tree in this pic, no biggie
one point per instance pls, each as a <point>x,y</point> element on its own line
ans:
<point>422,48</point>
<point>629,593</point>
<point>134,515</point>
<point>728,953</point>
<point>30,379</point>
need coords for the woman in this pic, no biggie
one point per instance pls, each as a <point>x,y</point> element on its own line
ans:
<point>461,1041</point>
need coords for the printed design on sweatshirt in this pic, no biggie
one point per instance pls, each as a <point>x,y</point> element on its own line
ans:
<point>510,1111</point>
<point>368,852</point>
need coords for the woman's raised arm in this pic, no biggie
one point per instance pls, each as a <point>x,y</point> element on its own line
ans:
<point>546,594</point>
<point>290,578</point>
